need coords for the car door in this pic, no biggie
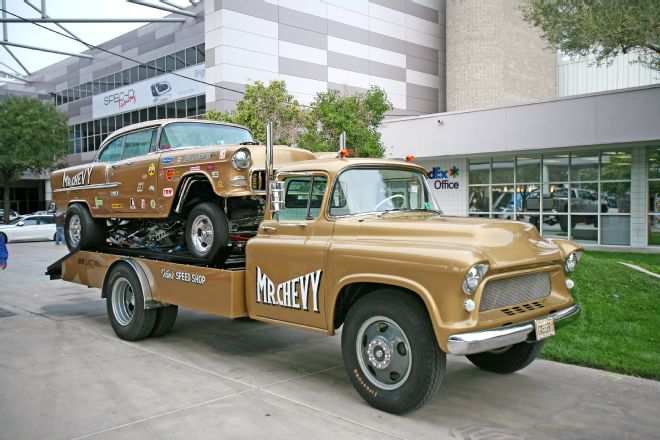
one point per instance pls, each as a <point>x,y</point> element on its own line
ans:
<point>26,229</point>
<point>286,261</point>
<point>46,227</point>
<point>136,173</point>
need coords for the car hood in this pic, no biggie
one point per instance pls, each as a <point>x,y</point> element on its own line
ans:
<point>503,243</point>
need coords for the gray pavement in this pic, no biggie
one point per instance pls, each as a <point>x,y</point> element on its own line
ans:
<point>64,374</point>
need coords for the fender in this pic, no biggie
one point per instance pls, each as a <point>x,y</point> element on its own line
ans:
<point>145,286</point>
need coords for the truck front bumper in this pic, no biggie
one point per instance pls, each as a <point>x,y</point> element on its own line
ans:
<point>486,340</point>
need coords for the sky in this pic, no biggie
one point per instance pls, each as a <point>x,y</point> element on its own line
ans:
<point>94,33</point>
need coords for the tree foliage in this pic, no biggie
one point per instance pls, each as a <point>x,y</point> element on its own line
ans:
<point>261,104</point>
<point>33,137</point>
<point>601,28</point>
<point>359,115</point>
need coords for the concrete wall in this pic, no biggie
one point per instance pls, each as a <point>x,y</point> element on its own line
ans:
<point>494,58</point>
<point>314,45</point>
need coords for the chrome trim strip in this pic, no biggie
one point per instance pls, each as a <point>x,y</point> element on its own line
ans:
<point>93,186</point>
<point>486,340</point>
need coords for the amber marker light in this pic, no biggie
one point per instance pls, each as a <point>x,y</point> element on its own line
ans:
<point>410,158</point>
<point>344,153</point>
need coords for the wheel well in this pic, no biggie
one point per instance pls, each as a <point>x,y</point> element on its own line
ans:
<point>351,293</point>
<point>193,190</point>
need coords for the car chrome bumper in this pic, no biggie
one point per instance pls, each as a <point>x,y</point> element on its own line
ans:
<point>486,340</point>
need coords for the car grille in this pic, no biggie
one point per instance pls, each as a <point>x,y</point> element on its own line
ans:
<point>514,290</point>
<point>258,180</point>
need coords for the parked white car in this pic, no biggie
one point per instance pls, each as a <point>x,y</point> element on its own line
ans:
<point>12,215</point>
<point>29,228</point>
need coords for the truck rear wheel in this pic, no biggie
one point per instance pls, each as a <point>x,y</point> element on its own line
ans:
<point>125,304</point>
<point>207,231</point>
<point>165,319</point>
<point>81,230</point>
<point>508,359</point>
<point>390,351</point>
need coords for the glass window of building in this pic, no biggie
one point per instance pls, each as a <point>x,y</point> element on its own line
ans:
<point>654,196</point>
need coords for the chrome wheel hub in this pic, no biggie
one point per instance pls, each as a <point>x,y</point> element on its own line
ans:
<point>123,301</point>
<point>383,352</point>
<point>75,229</point>
<point>202,234</point>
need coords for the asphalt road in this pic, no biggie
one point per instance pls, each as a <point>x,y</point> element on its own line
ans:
<point>64,374</point>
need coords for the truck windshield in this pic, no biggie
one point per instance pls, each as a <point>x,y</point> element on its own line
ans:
<point>196,134</point>
<point>363,190</point>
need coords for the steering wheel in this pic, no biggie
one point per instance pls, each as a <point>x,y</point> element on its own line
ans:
<point>387,199</point>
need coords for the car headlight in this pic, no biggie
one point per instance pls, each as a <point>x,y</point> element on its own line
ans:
<point>473,278</point>
<point>241,159</point>
<point>572,261</point>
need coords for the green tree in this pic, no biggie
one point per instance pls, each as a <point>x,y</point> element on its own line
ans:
<point>358,115</point>
<point>261,104</point>
<point>33,137</point>
<point>601,28</point>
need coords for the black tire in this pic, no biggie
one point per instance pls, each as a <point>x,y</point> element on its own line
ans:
<point>509,359</point>
<point>203,218</point>
<point>81,230</point>
<point>421,363</point>
<point>125,304</point>
<point>165,319</point>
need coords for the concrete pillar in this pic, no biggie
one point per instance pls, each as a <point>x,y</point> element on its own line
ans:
<point>48,192</point>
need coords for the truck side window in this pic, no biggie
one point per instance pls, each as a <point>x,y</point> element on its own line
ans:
<point>138,143</point>
<point>302,198</point>
<point>112,152</point>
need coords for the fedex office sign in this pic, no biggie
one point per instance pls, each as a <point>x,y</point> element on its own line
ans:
<point>441,178</point>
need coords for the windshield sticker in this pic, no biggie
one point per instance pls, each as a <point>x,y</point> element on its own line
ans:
<point>293,294</point>
<point>152,169</point>
<point>81,178</point>
<point>167,160</point>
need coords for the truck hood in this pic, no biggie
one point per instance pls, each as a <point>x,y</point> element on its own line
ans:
<point>503,243</point>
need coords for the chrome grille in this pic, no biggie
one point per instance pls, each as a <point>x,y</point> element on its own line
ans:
<point>514,290</point>
<point>258,180</point>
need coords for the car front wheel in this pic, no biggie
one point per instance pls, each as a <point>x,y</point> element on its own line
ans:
<point>81,230</point>
<point>207,231</point>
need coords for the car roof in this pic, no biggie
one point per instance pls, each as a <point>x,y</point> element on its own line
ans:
<point>161,122</point>
<point>336,165</point>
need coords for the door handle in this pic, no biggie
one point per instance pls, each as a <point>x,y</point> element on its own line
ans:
<point>114,166</point>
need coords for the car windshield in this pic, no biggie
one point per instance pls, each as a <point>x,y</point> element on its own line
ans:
<point>195,134</point>
<point>363,190</point>
<point>16,220</point>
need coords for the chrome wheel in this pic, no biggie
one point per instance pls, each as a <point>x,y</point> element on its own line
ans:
<point>74,231</point>
<point>123,301</point>
<point>202,234</point>
<point>383,351</point>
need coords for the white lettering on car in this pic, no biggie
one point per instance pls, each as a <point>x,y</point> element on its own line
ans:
<point>83,177</point>
<point>287,293</point>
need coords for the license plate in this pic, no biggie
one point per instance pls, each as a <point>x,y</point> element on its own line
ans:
<point>544,328</point>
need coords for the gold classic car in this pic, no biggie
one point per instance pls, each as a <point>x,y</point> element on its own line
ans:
<point>167,186</point>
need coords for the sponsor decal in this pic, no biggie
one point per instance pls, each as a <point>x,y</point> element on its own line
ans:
<point>219,183</point>
<point>167,160</point>
<point>152,188</point>
<point>144,177</point>
<point>161,173</point>
<point>292,294</point>
<point>195,168</point>
<point>168,192</point>
<point>441,177</point>
<point>151,170</point>
<point>114,193</point>
<point>152,203</point>
<point>97,202</point>
<point>76,194</point>
<point>210,166</point>
<point>170,174</point>
<point>81,178</point>
<point>117,206</point>
<point>222,154</point>
<point>215,174</point>
<point>140,187</point>
<point>132,203</point>
<point>143,204</point>
<point>185,277</point>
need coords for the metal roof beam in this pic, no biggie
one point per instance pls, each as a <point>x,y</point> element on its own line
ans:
<point>11,75</point>
<point>42,11</point>
<point>43,49</point>
<point>93,20</point>
<point>175,10</point>
<point>17,60</point>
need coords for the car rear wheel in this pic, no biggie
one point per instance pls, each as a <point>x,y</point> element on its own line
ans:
<point>509,359</point>
<point>81,230</point>
<point>207,231</point>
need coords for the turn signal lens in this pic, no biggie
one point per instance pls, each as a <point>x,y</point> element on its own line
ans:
<point>473,277</point>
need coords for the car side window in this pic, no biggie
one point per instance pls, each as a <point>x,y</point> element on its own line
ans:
<point>47,220</point>
<point>112,152</point>
<point>302,198</point>
<point>138,143</point>
<point>30,221</point>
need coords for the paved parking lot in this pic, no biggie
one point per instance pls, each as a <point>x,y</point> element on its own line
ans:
<point>64,374</point>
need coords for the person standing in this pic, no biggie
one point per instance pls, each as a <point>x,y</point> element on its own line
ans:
<point>3,253</point>
<point>59,227</point>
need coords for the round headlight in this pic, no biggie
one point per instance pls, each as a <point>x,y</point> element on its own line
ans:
<point>473,277</point>
<point>241,159</point>
<point>572,261</point>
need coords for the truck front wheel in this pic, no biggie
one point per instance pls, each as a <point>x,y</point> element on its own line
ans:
<point>508,359</point>
<point>125,305</point>
<point>390,351</point>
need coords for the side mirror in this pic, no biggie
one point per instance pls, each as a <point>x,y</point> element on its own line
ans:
<point>21,223</point>
<point>276,191</point>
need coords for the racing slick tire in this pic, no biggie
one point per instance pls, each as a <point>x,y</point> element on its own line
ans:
<point>509,359</point>
<point>81,230</point>
<point>207,231</point>
<point>165,319</point>
<point>390,351</point>
<point>125,304</point>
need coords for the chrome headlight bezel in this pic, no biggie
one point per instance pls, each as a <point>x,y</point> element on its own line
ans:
<point>572,261</point>
<point>474,277</point>
<point>241,159</point>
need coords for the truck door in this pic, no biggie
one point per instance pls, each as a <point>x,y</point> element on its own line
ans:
<point>286,261</point>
